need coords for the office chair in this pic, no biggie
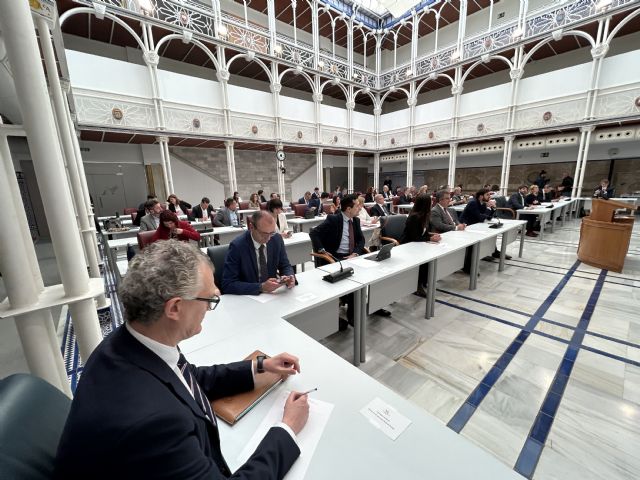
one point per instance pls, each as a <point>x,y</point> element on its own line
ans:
<point>392,229</point>
<point>217,255</point>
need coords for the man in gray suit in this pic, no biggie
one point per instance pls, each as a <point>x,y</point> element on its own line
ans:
<point>443,218</point>
<point>227,216</point>
<point>151,220</point>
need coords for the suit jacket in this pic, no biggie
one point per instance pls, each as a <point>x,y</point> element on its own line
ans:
<point>414,231</point>
<point>196,212</point>
<point>607,193</point>
<point>405,199</point>
<point>136,221</point>
<point>147,224</point>
<point>315,202</point>
<point>240,275</point>
<point>222,218</point>
<point>476,212</point>
<point>377,211</point>
<point>328,234</point>
<point>516,201</point>
<point>531,199</point>
<point>133,418</point>
<point>441,222</point>
<point>387,195</point>
<point>184,206</point>
<point>302,200</point>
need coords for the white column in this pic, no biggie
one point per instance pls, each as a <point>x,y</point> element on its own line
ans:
<point>275,91</point>
<point>350,156</point>
<point>317,109</point>
<point>453,156</point>
<point>506,164</point>
<point>167,158</point>
<point>33,98</point>
<point>87,229</point>
<point>231,168</point>
<point>409,167</point>
<point>377,111</point>
<point>315,32</point>
<point>583,156</point>
<point>350,107</point>
<point>376,171</point>
<point>319,169</point>
<point>223,78</point>
<point>165,170</point>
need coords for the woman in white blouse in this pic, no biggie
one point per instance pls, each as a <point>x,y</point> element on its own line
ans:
<point>363,214</point>
<point>274,207</point>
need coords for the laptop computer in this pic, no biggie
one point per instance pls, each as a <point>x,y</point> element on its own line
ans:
<point>383,253</point>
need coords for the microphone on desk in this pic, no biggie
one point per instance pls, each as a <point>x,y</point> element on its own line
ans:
<point>339,275</point>
<point>496,225</point>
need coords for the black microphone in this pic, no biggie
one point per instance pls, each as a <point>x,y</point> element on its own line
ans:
<point>496,225</point>
<point>339,275</point>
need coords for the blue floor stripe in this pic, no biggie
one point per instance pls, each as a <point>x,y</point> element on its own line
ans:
<point>464,413</point>
<point>609,275</point>
<point>530,453</point>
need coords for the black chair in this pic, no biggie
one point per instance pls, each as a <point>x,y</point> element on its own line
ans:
<point>32,417</point>
<point>502,210</point>
<point>392,229</point>
<point>217,255</point>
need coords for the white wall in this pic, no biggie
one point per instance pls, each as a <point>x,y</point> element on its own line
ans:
<point>394,120</point>
<point>185,89</point>
<point>296,109</point>
<point>191,184</point>
<point>333,116</point>
<point>304,183</point>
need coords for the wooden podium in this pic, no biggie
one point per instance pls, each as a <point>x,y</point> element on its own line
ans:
<point>604,237</point>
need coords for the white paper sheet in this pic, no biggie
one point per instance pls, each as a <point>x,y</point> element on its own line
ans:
<point>362,263</point>
<point>386,418</point>
<point>308,438</point>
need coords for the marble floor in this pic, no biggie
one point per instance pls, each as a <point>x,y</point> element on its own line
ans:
<point>540,365</point>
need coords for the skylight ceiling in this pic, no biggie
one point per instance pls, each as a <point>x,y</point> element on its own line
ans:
<point>383,8</point>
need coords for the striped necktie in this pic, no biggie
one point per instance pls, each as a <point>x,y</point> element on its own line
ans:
<point>199,397</point>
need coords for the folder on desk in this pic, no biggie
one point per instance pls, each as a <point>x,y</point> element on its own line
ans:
<point>233,408</point>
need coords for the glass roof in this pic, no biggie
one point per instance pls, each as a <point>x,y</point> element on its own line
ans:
<point>395,8</point>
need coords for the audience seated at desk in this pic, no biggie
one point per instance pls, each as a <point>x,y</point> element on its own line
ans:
<point>380,208</point>
<point>533,198</point>
<point>177,206</point>
<point>479,209</point>
<point>274,207</point>
<point>142,206</point>
<point>363,215</point>
<point>566,186</point>
<point>316,193</point>
<point>386,193</point>
<point>517,202</point>
<point>371,193</point>
<point>260,194</point>
<point>341,237</point>
<point>444,218</point>
<point>257,260</point>
<point>151,221</point>
<point>227,216</point>
<point>204,211</point>
<point>236,197</point>
<point>254,201</point>
<point>604,190</point>
<point>142,411</point>
<point>172,228</point>
<point>417,230</point>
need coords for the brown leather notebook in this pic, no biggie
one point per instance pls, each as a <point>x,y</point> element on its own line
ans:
<point>233,408</point>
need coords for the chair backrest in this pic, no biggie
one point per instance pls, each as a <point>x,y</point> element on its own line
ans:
<point>501,201</point>
<point>129,211</point>
<point>189,213</point>
<point>368,209</point>
<point>32,418</point>
<point>326,208</point>
<point>299,209</point>
<point>217,255</point>
<point>133,216</point>
<point>263,205</point>
<point>244,205</point>
<point>393,226</point>
<point>144,238</point>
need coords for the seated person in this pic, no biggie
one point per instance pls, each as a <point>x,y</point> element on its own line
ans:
<point>416,229</point>
<point>274,207</point>
<point>171,227</point>
<point>324,200</point>
<point>257,260</point>
<point>566,186</point>
<point>546,195</point>
<point>517,202</point>
<point>254,201</point>
<point>236,197</point>
<point>457,197</point>
<point>316,193</point>
<point>204,211</point>
<point>407,197</point>
<point>443,218</point>
<point>305,199</point>
<point>316,204</point>
<point>380,208</point>
<point>604,190</point>
<point>177,206</point>
<point>386,193</point>
<point>341,237</point>
<point>142,411</point>
<point>363,215</point>
<point>151,221</point>
<point>227,216</point>
<point>368,198</point>
<point>261,195</point>
<point>479,208</point>
<point>143,204</point>
<point>274,195</point>
<point>533,198</point>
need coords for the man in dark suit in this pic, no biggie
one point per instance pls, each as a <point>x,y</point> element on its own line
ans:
<point>517,202</point>
<point>604,190</point>
<point>305,199</point>
<point>444,219</point>
<point>203,211</point>
<point>479,208</point>
<point>316,203</point>
<point>566,186</point>
<point>316,193</point>
<point>227,216</point>
<point>341,237</point>
<point>142,411</point>
<point>380,208</point>
<point>257,261</point>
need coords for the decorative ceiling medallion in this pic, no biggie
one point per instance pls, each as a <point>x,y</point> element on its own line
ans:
<point>393,141</point>
<point>637,102</point>
<point>117,113</point>
<point>480,127</point>
<point>547,116</point>
<point>254,129</point>
<point>333,68</point>
<point>431,135</point>
<point>488,42</point>
<point>335,139</point>
<point>364,141</point>
<point>299,134</point>
<point>195,122</point>
<point>183,17</point>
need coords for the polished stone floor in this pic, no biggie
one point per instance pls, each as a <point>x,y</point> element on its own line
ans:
<point>540,365</point>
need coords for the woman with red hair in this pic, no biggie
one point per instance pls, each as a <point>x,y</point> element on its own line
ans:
<point>171,227</point>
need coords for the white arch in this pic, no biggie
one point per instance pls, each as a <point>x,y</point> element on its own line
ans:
<point>538,45</point>
<point>384,97</point>
<point>339,85</point>
<point>622,23</point>
<point>74,11</point>
<point>478,62</point>
<point>296,72</point>
<point>364,92</point>
<point>206,50</point>
<point>423,82</point>
<point>255,59</point>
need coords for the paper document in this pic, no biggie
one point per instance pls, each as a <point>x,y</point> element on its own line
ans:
<point>386,418</point>
<point>307,439</point>
<point>362,263</point>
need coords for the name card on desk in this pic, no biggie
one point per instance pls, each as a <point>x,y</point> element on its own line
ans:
<point>386,418</point>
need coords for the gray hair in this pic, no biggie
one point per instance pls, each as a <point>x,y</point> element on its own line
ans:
<point>257,215</point>
<point>440,194</point>
<point>163,270</point>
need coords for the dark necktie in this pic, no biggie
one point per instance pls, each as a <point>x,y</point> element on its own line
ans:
<point>199,397</point>
<point>264,272</point>
<point>352,242</point>
<point>451,222</point>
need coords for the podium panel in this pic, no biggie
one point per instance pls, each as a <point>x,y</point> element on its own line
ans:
<point>603,244</point>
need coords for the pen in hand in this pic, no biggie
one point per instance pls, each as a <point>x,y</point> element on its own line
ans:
<point>307,392</point>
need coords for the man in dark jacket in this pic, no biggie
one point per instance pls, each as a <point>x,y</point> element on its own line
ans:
<point>517,202</point>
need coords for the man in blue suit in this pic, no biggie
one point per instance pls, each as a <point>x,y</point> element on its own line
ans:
<point>257,261</point>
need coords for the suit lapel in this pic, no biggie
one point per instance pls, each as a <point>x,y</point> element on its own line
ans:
<point>251,253</point>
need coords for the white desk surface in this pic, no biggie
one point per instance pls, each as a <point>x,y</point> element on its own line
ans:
<point>297,238</point>
<point>484,227</point>
<point>350,446</point>
<point>121,242</point>
<point>304,221</point>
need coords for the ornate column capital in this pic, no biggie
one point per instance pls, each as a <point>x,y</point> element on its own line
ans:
<point>412,101</point>
<point>222,75</point>
<point>509,138</point>
<point>516,73</point>
<point>377,110</point>
<point>410,151</point>
<point>275,87</point>
<point>151,58</point>
<point>453,145</point>
<point>587,128</point>
<point>351,105</point>
<point>599,51</point>
<point>162,139</point>
<point>317,97</point>
<point>319,150</point>
<point>229,144</point>
<point>456,89</point>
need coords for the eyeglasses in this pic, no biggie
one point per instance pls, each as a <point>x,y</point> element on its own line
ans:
<point>213,301</point>
<point>266,234</point>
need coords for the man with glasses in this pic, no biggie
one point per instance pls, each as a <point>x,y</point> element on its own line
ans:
<point>142,411</point>
<point>257,260</point>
